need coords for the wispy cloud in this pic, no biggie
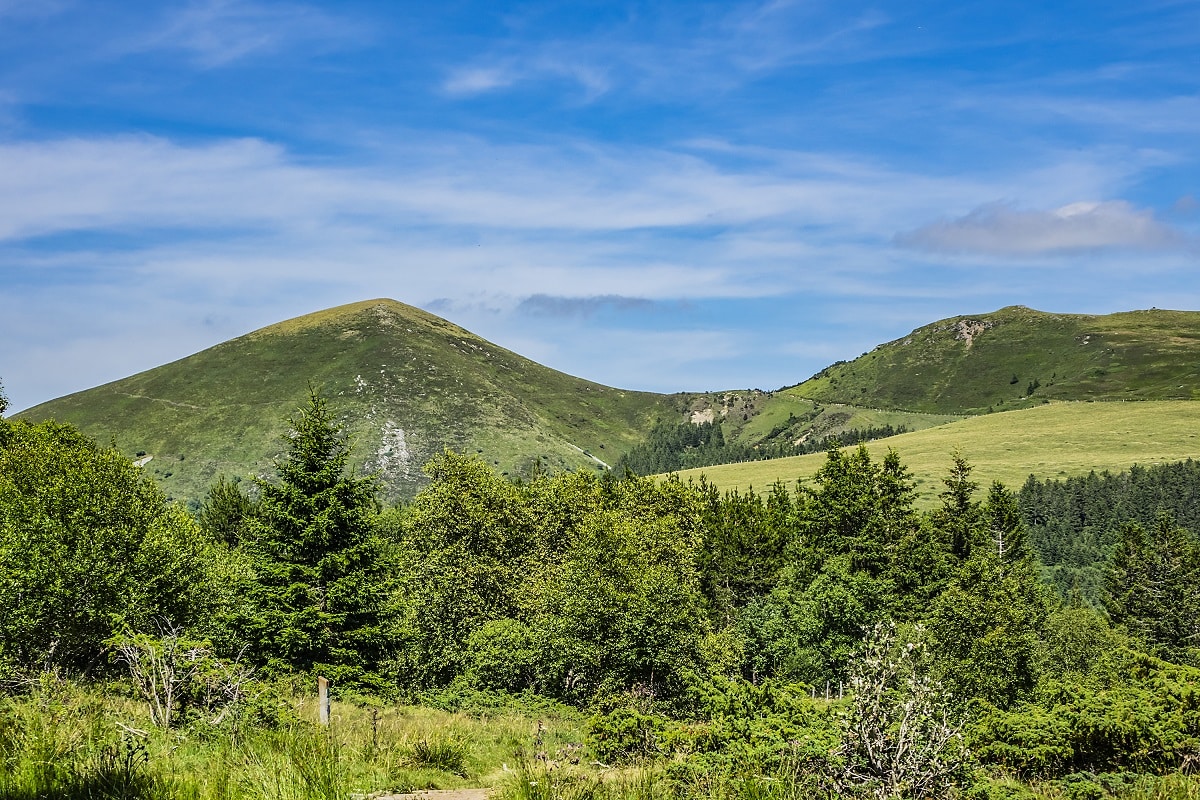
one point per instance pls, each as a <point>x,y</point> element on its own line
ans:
<point>505,72</point>
<point>475,80</point>
<point>217,33</point>
<point>1000,229</point>
<point>167,233</point>
<point>698,53</point>
<point>544,305</point>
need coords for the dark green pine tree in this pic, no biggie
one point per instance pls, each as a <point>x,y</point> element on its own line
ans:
<point>1150,585</point>
<point>1004,529</point>
<point>959,517</point>
<point>316,590</point>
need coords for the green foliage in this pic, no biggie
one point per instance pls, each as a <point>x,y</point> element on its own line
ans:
<point>626,735</point>
<point>986,629</point>
<point>960,518</point>
<point>316,561</point>
<point>860,508</point>
<point>470,536</point>
<point>1074,524</point>
<point>745,540</point>
<point>180,677</point>
<point>765,727</point>
<point>670,447</point>
<point>224,512</point>
<point>88,545</point>
<point>572,585</point>
<point>622,608</point>
<point>1151,584</point>
<point>501,655</point>
<point>1076,640</point>
<point>857,538</point>
<point>1146,719</point>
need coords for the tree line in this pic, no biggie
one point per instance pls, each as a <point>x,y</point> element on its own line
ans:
<point>614,593</point>
<point>675,446</point>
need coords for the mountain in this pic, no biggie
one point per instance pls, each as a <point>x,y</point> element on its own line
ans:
<point>408,384</point>
<point>942,381</point>
<point>1016,358</point>
<point>405,384</point>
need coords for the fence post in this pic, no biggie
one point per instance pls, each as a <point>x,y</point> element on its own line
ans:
<point>323,699</point>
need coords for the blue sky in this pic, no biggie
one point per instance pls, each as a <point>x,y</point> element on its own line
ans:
<point>667,196</point>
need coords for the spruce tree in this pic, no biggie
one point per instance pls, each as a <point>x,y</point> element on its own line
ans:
<point>316,591</point>
<point>959,516</point>
<point>1005,529</point>
<point>1150,585</point>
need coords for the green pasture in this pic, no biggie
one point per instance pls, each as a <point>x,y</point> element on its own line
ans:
<point>1056,440</point>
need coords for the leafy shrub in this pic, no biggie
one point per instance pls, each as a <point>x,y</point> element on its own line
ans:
<point>1151,723</point>
<point>500,655</point>
<point>625,734</point>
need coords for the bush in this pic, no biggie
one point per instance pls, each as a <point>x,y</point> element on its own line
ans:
<point>626,735</point>
<point>1150,722</point>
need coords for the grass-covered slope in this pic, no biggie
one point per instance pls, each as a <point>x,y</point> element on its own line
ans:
<point>405,383</point>
<point>1017,357</point>
<point>1049,441</point>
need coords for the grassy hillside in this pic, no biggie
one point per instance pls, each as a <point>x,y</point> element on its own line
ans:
<point>1049,441</point>
<point>784,416</point>
<point>406,384</point>
<point>1017,358</point>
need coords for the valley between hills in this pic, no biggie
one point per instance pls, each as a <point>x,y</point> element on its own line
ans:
<point>1017,391</point>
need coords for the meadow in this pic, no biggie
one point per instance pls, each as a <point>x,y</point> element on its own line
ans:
<point>1054,440</point>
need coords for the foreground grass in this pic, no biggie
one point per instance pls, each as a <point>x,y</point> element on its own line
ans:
<point>64,742</point>
<point>1050,441</point>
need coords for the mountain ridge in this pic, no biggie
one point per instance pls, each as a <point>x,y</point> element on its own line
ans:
<point>407,383</point>
<point>1017,357</point>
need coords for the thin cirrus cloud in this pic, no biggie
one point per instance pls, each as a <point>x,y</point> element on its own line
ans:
<point>1003,230</point>
<point>217,33</point>
<point>745,41</point>
<point>544,305</point>
<point>143,182</point>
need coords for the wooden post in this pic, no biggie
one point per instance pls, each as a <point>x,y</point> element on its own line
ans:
<point>323,699</point>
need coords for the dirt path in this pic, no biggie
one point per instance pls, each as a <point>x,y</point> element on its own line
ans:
<point>436,794</point>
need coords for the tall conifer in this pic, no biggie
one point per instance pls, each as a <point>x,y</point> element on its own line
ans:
<point>315,590</point>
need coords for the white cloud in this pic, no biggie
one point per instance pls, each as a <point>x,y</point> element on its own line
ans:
<point>503,73</point>
<point>701,53</point>
<point>246,229</point>
<point>476,80</point>
<point>1000,229</point>
<point>216,33</point>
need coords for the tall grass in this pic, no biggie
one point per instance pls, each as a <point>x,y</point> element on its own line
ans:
<point>59,741</point>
